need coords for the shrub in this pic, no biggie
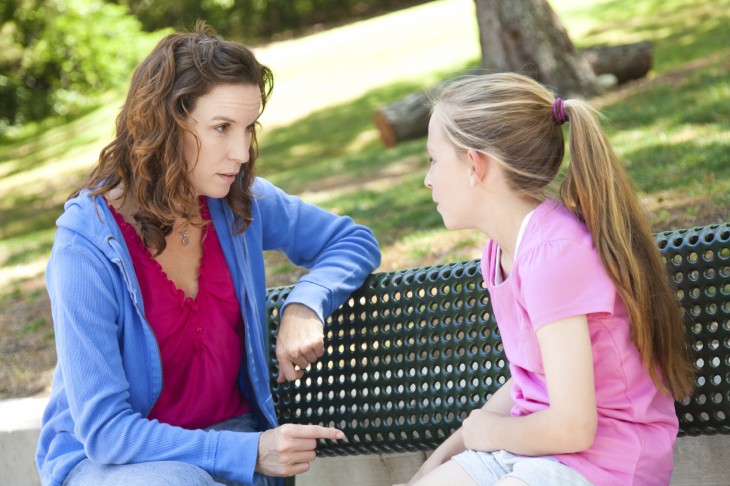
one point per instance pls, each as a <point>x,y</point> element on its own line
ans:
<point>56,55</point>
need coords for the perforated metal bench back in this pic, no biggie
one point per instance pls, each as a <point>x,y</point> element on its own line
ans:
<point>413,351</point>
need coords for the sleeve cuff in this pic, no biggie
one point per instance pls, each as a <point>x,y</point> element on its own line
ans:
<point>312,295</point>
<point>236,455</point>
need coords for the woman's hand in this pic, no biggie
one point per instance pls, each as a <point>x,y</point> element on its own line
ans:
<point>290,448</point>
<point>300,341</point>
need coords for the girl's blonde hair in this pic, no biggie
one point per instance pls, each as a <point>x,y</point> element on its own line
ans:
<point>510,117</point>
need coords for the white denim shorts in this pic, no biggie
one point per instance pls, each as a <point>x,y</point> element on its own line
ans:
<point>486,468</point>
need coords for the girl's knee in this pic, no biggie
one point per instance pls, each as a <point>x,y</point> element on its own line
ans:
<point>449,472</point>
<point>510,481</point>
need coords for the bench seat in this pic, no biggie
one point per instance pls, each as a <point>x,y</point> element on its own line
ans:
<point>414,351</point>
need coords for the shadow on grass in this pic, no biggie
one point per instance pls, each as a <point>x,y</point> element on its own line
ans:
<point>28,211</point>
<point>341,139</point>
<point>338,149</point>
<point>700,96</point>
<point>27,224</point>
<point>52,138</point>
<point>681,29</point>
<point>664,166</point>
<point>391,212</point>
<point>16,136</point>
<point>327,134</point>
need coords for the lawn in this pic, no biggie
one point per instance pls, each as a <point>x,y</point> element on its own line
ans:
<point>671,128</point>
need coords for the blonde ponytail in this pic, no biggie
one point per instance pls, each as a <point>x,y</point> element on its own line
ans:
<point>598,191</point>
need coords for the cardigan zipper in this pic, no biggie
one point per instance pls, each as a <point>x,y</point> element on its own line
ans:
<point>140,312</point>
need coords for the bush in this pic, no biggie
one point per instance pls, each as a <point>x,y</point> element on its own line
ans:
<point>258,20</point>
<point>56,55</point>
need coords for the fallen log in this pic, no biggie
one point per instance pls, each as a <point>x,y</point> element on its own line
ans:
<point>626,61</point>
<point>407,118</point>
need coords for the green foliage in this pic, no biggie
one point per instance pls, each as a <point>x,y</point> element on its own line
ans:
<point>256,20</point>
<point>56,55</point>
<point>672,129</point>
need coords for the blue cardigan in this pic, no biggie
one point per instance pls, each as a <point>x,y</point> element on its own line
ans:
<point>109,374</point>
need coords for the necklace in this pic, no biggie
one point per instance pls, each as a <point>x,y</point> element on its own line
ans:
<point>185,239</point>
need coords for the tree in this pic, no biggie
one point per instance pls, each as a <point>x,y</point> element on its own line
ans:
<point>526,36</point>
<point>56,55</point>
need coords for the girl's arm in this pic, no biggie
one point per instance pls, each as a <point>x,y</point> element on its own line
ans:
<point>500,403</point>
<point>569,423</point>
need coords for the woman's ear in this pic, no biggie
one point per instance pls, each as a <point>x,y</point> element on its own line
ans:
<point>479,162</point>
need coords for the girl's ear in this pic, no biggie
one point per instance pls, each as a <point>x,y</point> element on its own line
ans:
<point>479,162</point>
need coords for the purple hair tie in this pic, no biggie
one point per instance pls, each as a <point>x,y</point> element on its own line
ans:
<point>559,112</point>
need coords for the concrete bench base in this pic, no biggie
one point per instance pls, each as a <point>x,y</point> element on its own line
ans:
<point>20,422</point>
<point>699,461</point>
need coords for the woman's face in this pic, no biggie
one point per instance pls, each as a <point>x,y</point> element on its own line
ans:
<point>448,177</point>
<point>223,121</point>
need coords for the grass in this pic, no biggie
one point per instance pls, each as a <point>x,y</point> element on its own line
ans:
<point>672,129</point>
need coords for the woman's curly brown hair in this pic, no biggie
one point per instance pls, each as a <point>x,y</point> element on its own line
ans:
<point>146,157</point>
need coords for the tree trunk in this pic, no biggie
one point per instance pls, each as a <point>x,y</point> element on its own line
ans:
<point>526,36</point>
<point>407,119</point>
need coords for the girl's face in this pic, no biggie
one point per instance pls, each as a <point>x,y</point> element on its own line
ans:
<point>223,120</point>
<point>449,179</point>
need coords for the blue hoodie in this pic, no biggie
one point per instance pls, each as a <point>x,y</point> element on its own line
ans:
<point>109,372</point>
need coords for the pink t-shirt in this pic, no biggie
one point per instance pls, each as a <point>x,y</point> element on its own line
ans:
<point>200,339</point>
<point>557,273</point>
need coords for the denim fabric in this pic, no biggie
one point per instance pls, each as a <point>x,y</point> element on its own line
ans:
<point>161,473</point>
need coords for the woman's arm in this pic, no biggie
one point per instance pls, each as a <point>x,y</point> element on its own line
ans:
<point>569,423</point>
<point>340,255</point>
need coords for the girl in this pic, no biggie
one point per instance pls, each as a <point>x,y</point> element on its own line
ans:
<point>588,318</point>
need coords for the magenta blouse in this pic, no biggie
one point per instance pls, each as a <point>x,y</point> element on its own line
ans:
<point>200,339</point>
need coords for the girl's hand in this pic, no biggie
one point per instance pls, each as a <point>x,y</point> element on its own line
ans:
<point>475,430</point>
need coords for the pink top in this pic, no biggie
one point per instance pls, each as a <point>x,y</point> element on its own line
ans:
<point>557,274</point>
<point>200,339</point>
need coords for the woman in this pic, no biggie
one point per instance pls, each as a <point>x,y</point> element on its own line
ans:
<point>157,287</point>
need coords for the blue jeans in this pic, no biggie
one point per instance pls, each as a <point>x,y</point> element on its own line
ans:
<point>161,473</point>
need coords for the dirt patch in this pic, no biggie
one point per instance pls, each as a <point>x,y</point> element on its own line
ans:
<point>27,347</point>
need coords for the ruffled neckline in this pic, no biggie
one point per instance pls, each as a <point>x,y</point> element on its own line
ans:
<point>132,237</point>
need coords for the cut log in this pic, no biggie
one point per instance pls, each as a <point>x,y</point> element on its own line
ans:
<point>626,61</point>
<point>407,118</point>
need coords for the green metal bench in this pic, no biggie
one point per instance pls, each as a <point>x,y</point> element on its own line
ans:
<point>413,351</point>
